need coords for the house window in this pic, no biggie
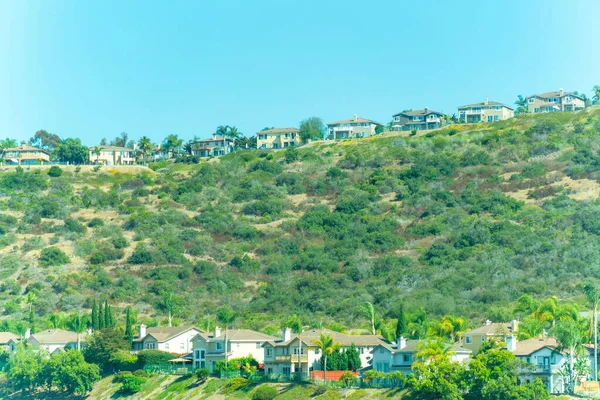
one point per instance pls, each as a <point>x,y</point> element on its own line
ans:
<point>490,118</point>
<point>219,346</point>
<point>362,350</point>
<point>482,339</point>
<point>531,101</point>
<point>269,370</point>
<point>166,346</point>
<point>496,118</point>
<point>269,351</point>
<point>396,118</point>
<point>406,358</point>
<point>381,350</point>
<point>553,360</point>
<point>497,108</point>
<point>181,346</point>
<point>258,345</point>
<point>468,340</point>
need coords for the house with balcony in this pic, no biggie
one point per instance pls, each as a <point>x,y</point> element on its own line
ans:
<point>554,101</point>
<point>474,338</point>
<point>353,128</point>
<point>172,339</point>
<point>486,111</point>
<point>112,155</point>
<point>282,356</point>
<point>277,138</point>
<point>400,356</point>
<point>419,120</point>
<point>25,155</point>
<point>209,348</point>
<point>212,147</point>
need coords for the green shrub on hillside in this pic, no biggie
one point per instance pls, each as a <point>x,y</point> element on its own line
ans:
<point>53,256</point>
<point>55,171</point>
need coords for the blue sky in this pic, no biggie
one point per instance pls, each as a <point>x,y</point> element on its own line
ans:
<point>93,69</point>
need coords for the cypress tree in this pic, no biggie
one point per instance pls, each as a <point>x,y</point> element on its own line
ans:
<point>101,324</point>
<point>353,356</point>
<point>111,321</point>
<point>95,316</point>
<point>106,314</point>
<point>128,325</point>
<point>402,325</point>
<point>31,320</point>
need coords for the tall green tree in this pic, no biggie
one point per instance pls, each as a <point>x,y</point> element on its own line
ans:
<point>311,129</point>
<point>227,317</point>
<point>101,321</point>
<point>129,325</point>
<point>72,151</point>
<point>570,336</point>
<point>596,91</point>
<point>45,140</point>
<point>353,357</point>
<point>145,145</point>
<point>295,324</point>
<point>95,321</point>
<point>70,373</point>
<point>593,296</point>
<point>168,304</point>
<point>326,346</point>
<point>402,324</point>
<point>172,143</point>
<point>369,311</point>
<point>521,104</point>
<point>76,323</point>
<point>105,348</point>
<point>24,368</point>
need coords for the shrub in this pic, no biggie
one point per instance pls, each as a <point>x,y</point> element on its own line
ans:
<point>146,357</point>
<point>202,374</point>
<point>75,226</point>
<point>140,255</point>
<point>265,392</point>
<point>55,171</point>
<point>120,242</point>
<point>52,256</point>
<point>94,222</point>
<point>132,384</point>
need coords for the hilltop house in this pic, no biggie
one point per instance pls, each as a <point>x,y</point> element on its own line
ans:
<point>402,355</point>
<point>112,155</point>
<point>418,120</point>
<point>215,146</point>
<point>352,128</point>
<point>554,101</point>
<point>175,339</point>
<point>25,155</point>
<point>277,138</point>
<point>52,340</point>
<point>209,348</point>
<point>282,355</point>
<point>6,338</point>
<point>474,338</point>
<point>486,111</point>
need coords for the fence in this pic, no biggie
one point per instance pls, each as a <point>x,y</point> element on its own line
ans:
<point>170,368</point>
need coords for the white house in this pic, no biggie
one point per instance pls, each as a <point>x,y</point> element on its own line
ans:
<point>282,355</point>
<point>401,356</point>
<point>175,339</point>
<point>52,340</point>
<point>209,348</point>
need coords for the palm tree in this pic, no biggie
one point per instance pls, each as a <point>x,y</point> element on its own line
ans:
<point>452,326</point>
<point>569,335</point>
<point>226,316</point>
<point>76,323</point>
<point>145,146</point>
<point>593,296</point>
<point>54,320</point>
<point>234,133</point>
<point>369,310</point>
<point>172,142</point>
<point>169,306</point>
<point>521,104</point>
<point>327,346</point>
<point>223,130</point>
<point>435,349</point>
<point>97,152</point>
<point>295,323</point>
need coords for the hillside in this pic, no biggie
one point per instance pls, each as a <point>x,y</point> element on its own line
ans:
<point>460,221</point>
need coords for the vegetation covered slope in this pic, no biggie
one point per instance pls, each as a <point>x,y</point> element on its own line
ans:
<point>461,221</point>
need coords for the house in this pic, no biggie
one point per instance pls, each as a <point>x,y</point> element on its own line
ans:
<point>112,155</point>
<point>209,348</point>
<point>277,138</point>
<point>474,338</point>
<point>401,356</point>
<point>215,146</point>
<point>554,101</point>
<point>52,340</point>
<point>352,128</point>
<point>172,339</point>
<point>418,120</point>
<point>25,155</point>
<point>6,338</point>
<point>282,355</point>
<point>486,111</point>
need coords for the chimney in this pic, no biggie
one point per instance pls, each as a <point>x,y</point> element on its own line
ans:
<point>514,324</point>
<point>286,334</point>
<point>27,333</point>
<point>214,135</point>
<point>488,322</point>
<point>217,331</point>
<point>401,342</point>
<point>562,92</point>
<point>511,343</point>
<point>134,146</point>
<point>426,110</point>
<point>89,331</point>
<point>355,117</point>
<point>142,331</point>
<point>486,101</point>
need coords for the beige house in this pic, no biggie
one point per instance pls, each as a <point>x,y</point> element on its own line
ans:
<point>209,348</point>
<point>282,355</point>
<point>352,128</point>
<point>213,147</point>
<point>474,338</point>
<point>486,111</point>
<point>175,339</point>
<point>112,155</point>
<point>418,120</point>
<point>6,338</point>
<point>277,138</point>
<point>554,101</point>
<point>52,340</point>
<point>25,154</point>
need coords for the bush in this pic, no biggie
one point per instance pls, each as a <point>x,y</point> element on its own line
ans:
<point>265,392</point>
<point>52,256</point>
<point>132,383</point>
<point>94,222</point>
<point>147,357</point>
<point>75,226</point>
<point>55,171</point>
<point>202,374</point>
<point>120,242</point>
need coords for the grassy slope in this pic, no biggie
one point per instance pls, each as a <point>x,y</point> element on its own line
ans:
<point>223,209</point>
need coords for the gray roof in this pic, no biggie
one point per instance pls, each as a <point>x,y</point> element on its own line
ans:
<point>111,148</point>
<point>491,329</point>
<point>25,147</point>
<point>353,120</point>
<point>57,336</point>
<point>164,333</point>
<point>278,130</point>
<point>5,337</point>
<point>555,94</point>
<point>483,104</point>
<point>530,346</point>
<point>343,339</point>
<point>412,347</point>
<point>418,113</point>
<point>239,335</point>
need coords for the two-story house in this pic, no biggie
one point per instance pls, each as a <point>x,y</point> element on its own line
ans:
<point>25,155</point>
<point>6,338</point>
<point>418,120</point>
<point>554,101</point>
<point>283,355</point>
<point>215,146</point>
<point>277,138</point>
<point>352,128</point>
<point>402,355</point>
<point>173,339</point>
<point>52,340</point>
<point>112,155</point>
<point>474,338</point>
<point>209,348</point>
<point>486,111</point>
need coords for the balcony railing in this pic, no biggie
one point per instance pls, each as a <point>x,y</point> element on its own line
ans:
<point>291,358</point>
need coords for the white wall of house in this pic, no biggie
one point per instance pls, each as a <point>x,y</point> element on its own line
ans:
<point>180,344</point>
<point>547,364</point>
<point>237,349</point>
